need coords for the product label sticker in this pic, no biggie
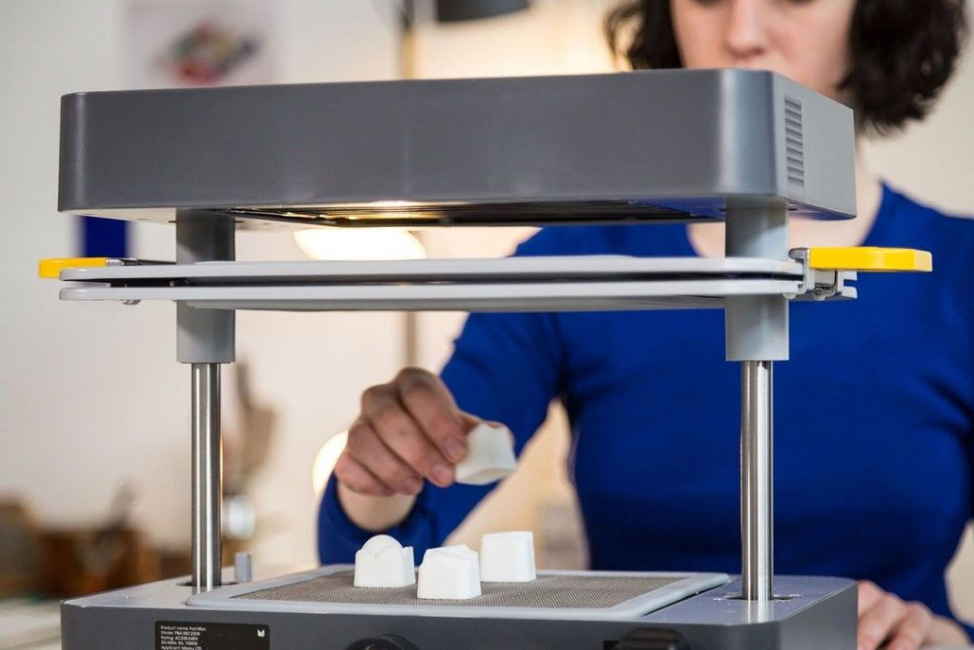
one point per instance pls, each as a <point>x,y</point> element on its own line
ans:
<point>172,635</point>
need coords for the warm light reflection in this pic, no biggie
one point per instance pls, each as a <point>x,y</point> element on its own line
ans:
<point>325,461</point>
<point>372,244</point>
<point>393,204</point>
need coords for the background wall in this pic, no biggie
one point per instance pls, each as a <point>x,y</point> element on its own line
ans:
<point>90,395</point>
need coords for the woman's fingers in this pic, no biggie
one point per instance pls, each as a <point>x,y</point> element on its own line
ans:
<point>877,622</point>
<point>405,437</point>
<point>367,448</point>
<point>353,474</point>
<point>913,629</point>
<point>430,403</point>
<point>886,621</point>
<point>416,418</point>
<point>869,595</point>
<point>408,429</point>
<point>469,421</point>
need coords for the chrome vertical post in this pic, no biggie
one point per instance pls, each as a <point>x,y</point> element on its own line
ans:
<point>757,497</point>
<point>207,476</point>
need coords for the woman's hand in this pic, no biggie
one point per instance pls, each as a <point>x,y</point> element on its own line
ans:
<point>407,430</point>
<point>884,618</point>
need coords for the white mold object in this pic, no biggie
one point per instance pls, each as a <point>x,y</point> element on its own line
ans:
<point>507,557</point>
<point>449,573</point>
<point>384,563</point>
<point>490,455</point>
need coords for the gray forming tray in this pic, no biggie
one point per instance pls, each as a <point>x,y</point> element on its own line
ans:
<point>554,267</point>
<point>555,594</point>
<point>471,297</point>
<point>641,146</point>
<point>507,284</point>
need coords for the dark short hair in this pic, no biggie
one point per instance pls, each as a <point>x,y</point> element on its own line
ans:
<point>903,52</point>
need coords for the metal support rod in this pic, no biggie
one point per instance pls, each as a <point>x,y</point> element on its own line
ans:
<point>757,335</point>
<point>207,477</point>
<point>757,497</point>
<point>205,339</point>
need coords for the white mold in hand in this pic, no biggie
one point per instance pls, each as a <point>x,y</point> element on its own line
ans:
<point>384,563</point>
<point>507,557</point>
<point>449,573</point>
<point>490,455</point>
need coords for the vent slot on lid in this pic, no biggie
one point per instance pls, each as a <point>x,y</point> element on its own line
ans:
<point>794,141</point>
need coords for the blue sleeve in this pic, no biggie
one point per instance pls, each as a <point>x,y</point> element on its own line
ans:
<point>504,367</point>
<point>969,626</point>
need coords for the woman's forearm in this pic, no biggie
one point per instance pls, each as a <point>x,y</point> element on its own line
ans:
<point>374,513</point>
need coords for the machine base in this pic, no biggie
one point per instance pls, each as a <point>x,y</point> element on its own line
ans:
<point>812,613</point>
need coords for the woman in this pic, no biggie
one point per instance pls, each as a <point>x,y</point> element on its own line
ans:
<point>874,415</point>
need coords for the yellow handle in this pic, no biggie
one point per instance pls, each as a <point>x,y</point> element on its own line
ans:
<point>865,258</point>
<point>51,268</point>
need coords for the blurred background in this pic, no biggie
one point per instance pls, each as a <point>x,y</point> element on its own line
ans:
<point>94,410</point>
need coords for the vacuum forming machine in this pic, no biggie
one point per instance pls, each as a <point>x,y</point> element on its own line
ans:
<point>749,148</point>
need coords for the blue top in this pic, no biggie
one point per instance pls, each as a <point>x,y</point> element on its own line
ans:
<point>874,418</point>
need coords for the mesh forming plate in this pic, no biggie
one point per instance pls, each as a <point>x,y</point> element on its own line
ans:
<point>547,592</point>
<point>555,595</point>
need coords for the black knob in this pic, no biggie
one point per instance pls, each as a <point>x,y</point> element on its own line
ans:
<point>384,642</point>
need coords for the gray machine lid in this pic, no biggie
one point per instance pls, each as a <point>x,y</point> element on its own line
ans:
<point>614,148</point>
